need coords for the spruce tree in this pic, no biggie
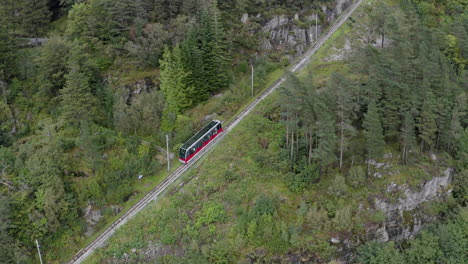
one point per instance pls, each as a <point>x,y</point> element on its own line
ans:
<point>373,132</point>
<point>77,101</point>
<point>52,66</point>
<point>174,86</point>
<point>427,121</point>
<point>193,63</point>
<point>35,17</point>
<point>8,44</point>
<point>455,131</point>
<point>222,58</point>
<point>408,136</point>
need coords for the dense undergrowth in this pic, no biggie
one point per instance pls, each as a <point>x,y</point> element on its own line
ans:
<point>273,190</point>
<point>83,115</point>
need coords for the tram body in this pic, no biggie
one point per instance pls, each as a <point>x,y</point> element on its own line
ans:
<point>198,141</point>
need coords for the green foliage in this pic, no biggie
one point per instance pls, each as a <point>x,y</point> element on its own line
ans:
<point>408,137</point>
<point>338,187</point>
<point>304,179</point>
<point>61,105</point>
<point>376,253</point>
<point>176,91</point>
<point>221,253</point>
<point>427,123</point>
<point>211,213</point>
<point>444,243</point>
<point>356,177</point>
<point>374,135</point>
<point>142,116</point>
<point>52,67</point>
<point>148,46</point>
<point>7,246</point>
<point>264,205</point>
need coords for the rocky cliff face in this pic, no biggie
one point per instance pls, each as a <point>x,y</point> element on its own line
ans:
<point>405,218</point>
<point>292,35</point>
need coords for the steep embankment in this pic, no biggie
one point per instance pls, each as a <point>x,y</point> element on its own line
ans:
<point>246,204</point>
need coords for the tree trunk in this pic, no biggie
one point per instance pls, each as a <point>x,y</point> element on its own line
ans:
<point>311,142</point>
<point>383,38</point>
<point>297,143</point>
<point>292,149</point>
<point>367,170</point>
<point>341,145</point>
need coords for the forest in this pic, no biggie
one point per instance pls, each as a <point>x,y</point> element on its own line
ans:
<point>76,130</point>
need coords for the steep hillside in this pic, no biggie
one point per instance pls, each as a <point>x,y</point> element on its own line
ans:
<point>89,90</point>
<point>358,153</point>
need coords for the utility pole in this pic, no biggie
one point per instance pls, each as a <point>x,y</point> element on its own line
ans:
<point>252,80</point>
<point>168,160</point>
<point>39,251</point>
<point>316,30</point>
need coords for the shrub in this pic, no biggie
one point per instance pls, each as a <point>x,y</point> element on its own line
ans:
<point>264,206</point>
<point>338,186</point>
<point>375,252</point>
<point>356,176</point>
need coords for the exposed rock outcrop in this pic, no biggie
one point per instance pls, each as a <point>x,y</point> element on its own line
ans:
<point>405,218</point>
<point>293,34</point>
<point>132,90</point>
<point>92,217</point>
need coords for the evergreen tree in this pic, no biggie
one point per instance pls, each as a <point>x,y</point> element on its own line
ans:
<point>373,132</point>
<point>193,63</point>
<point>427,123</point>
<point>342,92</point>
<point>8,44</point>
<point>325,151</point>
<point>207,48</point>
<point>35,16</point>
<point>77,102</point>
<point>455,131</point>
<point>408,137</point>
<point>6,241</point>
<point>222,58</point>
<point>174,85</point>
<point>52,67</point>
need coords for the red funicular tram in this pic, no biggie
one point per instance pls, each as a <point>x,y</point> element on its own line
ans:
<point>196,143</point>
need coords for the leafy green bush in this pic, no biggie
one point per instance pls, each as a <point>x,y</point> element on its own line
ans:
<point>356,176</point>
<point>264,205</point>
<point>338,186</point>
<point>374,252</point>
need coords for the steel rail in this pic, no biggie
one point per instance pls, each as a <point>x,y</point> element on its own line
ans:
<point>162,186</point>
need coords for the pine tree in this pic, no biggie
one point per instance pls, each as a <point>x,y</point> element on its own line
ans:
<point>427,123</point>
<point>408,137</point>
<point>325,151</point>
<point>391,99</point>
<point>373,132</point>
<point>346,106</point>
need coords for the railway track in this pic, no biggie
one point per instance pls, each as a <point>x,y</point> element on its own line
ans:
<point>161,187</point>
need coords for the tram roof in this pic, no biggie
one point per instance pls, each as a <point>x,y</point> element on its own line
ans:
<point>199,134</point>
